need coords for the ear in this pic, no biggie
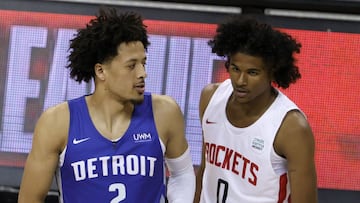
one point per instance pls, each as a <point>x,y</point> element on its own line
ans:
<point>99,71</point>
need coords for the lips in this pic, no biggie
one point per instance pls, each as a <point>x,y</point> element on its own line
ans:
<point>140,87</point>
<point>240,92</point>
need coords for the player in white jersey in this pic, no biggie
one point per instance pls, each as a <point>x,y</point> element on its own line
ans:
<point>258,146</point>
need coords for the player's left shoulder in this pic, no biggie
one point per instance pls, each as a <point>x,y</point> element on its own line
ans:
<point>167,114</point>
<point>294,127</point>
<point>165,106</point>
<point>295,120</point>
<point>295,134</point>
<point>163,101</point>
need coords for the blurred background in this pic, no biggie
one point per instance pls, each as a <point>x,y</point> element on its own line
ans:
<point>34,42</point>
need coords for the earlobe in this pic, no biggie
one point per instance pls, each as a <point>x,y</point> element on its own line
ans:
<point>99,71</point>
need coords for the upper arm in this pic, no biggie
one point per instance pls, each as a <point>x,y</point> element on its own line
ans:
<point>170,125</point>
<point>205,97</point>
<point>49,139</point>
<point>295,141</point>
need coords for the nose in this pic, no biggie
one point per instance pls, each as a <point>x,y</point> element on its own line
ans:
<point>141,72</point>
<point>242,80</point>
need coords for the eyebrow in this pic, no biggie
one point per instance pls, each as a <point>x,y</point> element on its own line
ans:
<point>251,68</point>
<point>134,60</point>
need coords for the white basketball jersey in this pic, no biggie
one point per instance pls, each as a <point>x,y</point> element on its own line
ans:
<point>241,164</point>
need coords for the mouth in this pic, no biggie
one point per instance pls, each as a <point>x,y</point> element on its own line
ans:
<point>140,87</point>
<point>241,92</point>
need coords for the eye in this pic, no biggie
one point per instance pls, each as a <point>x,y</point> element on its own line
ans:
<point>253,72</point>
<point>132,66</point>
<point>235,68</point>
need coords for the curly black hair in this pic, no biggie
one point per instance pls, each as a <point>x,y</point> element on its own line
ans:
<point>99,40</point>
<point>245,34</point>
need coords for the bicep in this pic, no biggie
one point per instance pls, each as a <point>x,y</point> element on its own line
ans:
<point>295,142</point>
<point>201,167</point>
<point>176,143</point>
<point>206,94</point>
<point>205,97</point>
<point>42,160</point>
<point>39,169</point>
<point>170,125</point>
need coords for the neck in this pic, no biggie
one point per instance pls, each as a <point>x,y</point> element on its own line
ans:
<point>256,105</point>
<point>108,110</point>
<point>110,117</point>
<point>244,114</point>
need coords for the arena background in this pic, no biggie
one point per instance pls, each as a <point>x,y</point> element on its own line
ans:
<point>34,38</point>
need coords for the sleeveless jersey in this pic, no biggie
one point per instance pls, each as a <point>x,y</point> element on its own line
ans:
<point>241,164</point>
<point>93,169</point>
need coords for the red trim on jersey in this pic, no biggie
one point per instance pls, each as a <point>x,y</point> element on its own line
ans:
<point>289,199</point>
<point>282,189</point>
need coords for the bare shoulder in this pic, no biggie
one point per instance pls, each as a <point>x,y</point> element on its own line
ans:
<point>169,121</point>
<point>164,102</point>
<point>206,95</point>
<point>295,134</point>
<point>165,109</point>
<point>209,89</point>
<point>295,121</point>
<point>56,115</point>
<point>52,126</point>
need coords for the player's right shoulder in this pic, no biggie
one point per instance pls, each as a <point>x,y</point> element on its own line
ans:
<point>52,127</point>
<point>57,116</point>
<point>59,110</point>
<point>208,91</point>
<point>206,94</point>
<point>210,88</point>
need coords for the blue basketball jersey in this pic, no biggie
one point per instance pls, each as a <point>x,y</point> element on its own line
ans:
<point>95,169</point>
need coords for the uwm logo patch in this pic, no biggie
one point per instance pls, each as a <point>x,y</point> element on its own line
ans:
<point>142,137</point>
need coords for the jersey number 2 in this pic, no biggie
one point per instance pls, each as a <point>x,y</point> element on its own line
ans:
<point>222,187</point>
<point>121,192</point>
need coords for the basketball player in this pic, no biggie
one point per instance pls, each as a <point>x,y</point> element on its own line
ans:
<point>110,146</point>
<point>258,145</point>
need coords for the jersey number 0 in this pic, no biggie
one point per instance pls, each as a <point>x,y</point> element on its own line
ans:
<point>222,187</point>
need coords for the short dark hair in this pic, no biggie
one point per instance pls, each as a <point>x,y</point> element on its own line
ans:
<point>245,34</point>
<point>99,40</point>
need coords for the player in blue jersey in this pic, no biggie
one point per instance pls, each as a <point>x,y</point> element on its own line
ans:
<point>112,145</point>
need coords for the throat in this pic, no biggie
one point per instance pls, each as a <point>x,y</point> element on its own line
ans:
<point>240,120</point>
<point>244,115</point>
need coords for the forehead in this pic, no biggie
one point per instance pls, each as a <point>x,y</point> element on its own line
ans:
<point>245,58</point>
<point>242,59</point>
<point>131,51</point>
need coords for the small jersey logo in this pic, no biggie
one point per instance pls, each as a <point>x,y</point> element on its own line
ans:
<point>142,137</point>
<point>258,144</point>
<point>75,141</point>
<point>209,122</point>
